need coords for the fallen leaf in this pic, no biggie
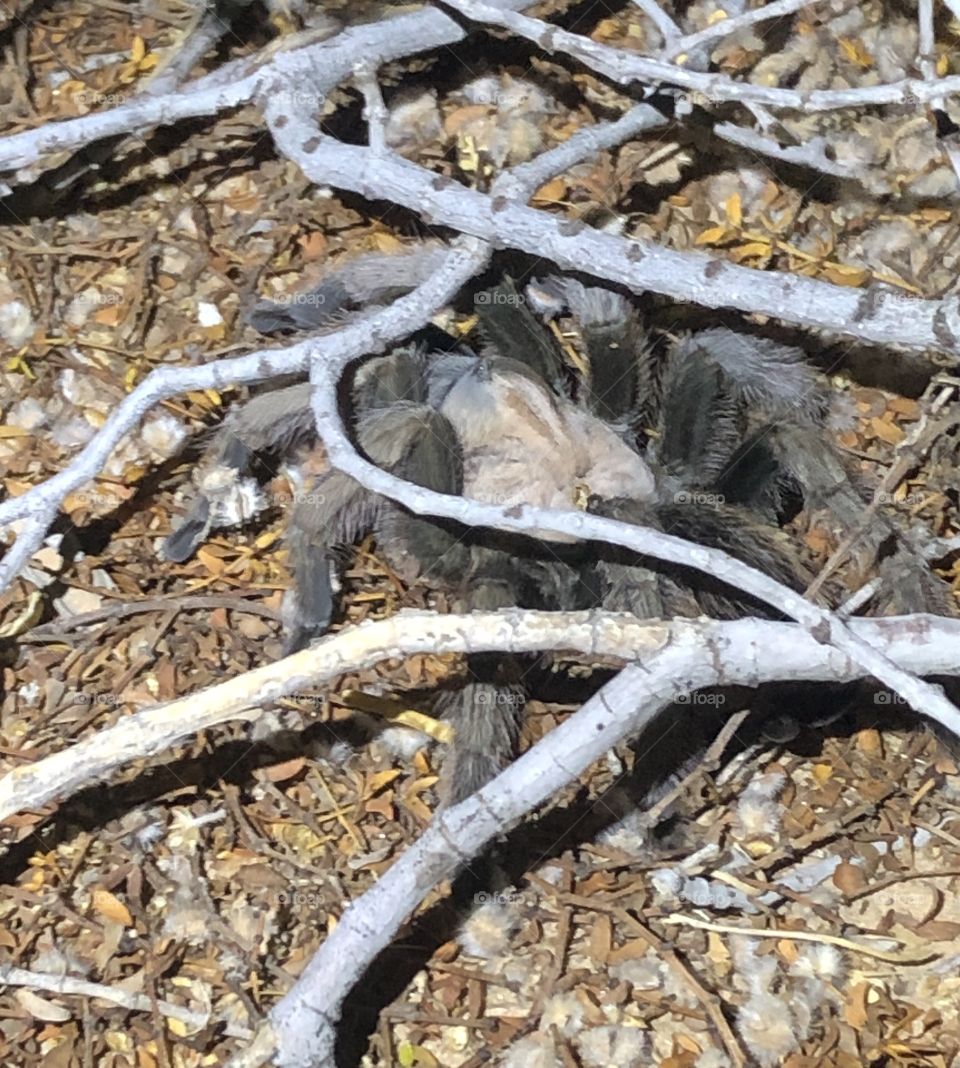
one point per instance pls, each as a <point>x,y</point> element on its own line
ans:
<point>111,907</point>
<point>848,878</point>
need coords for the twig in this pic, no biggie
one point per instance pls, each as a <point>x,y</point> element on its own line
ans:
<point>374,109</point>
<point>588,142</point>
<point>800,936</point>
<point>724,27</point>
<point>810,154</point>
<point>626,68</point>
<point>926,43</point>
<point>669,30</point>
<point>65,984</point>
<point>53,631</point>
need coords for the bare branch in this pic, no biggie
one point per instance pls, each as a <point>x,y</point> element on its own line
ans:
<point>724,27</point>
<point>374,109</point>
<point>873,314</point>
<point>668,29</point>
<point>526,178</point>
<point>67,985</point>
<point>924,644</point>
<point>828,628</point>
<point>313,68</point>
<point>696,655</point>
<point>626,68</point>
<point>811,154</point>
<point>156,729</point>
<point>368,335</point>
<point>926,41</point>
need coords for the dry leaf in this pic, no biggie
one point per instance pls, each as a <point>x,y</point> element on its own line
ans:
<point>855,52</point>
<point>842,275</point>
<point>848,878</point>
<point>887,431</point>
<point>283,771</point>
<point>552,192</point>
<point>111,907</point>
<point>714,235</point>
<point>314,245</point>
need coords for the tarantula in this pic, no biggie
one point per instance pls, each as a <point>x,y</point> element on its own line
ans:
<point>712,438</point>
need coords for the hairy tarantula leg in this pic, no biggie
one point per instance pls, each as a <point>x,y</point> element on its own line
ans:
<point>715,386</point>
<point>411,441</point>
<point>183,541</point>
<point>275,422</point>
<point>909,584</point>
<point>700,423</point>
<point>358,282</point>
<point>618,349</point>
<point>487,713</point>
<point>684,591</point>
<point>516,333</point>
<point>762,373</point>
<point>335,510</point>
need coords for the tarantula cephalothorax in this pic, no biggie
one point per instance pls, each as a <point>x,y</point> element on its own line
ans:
<point>735,426</point>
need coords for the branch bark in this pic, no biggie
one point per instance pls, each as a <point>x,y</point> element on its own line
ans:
<point>38,506</point>
<point>626,68</point>
<point>875,314</point>
<point>303,1023</point>
<point>823,625</point>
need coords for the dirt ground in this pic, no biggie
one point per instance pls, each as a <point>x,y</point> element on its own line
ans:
<point>827,860</point>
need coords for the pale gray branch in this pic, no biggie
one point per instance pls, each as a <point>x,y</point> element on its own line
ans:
<point>926,40</point>
<point>724,27</point>
<point>811,154</point>
<point>521,181</point>
<point>874,314</point>
<point>667,28</point>
<point>628,67</point>
<point>696,655</point>
<point>368,335</point>
<point>68,985</point>
<point>323,63</point>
